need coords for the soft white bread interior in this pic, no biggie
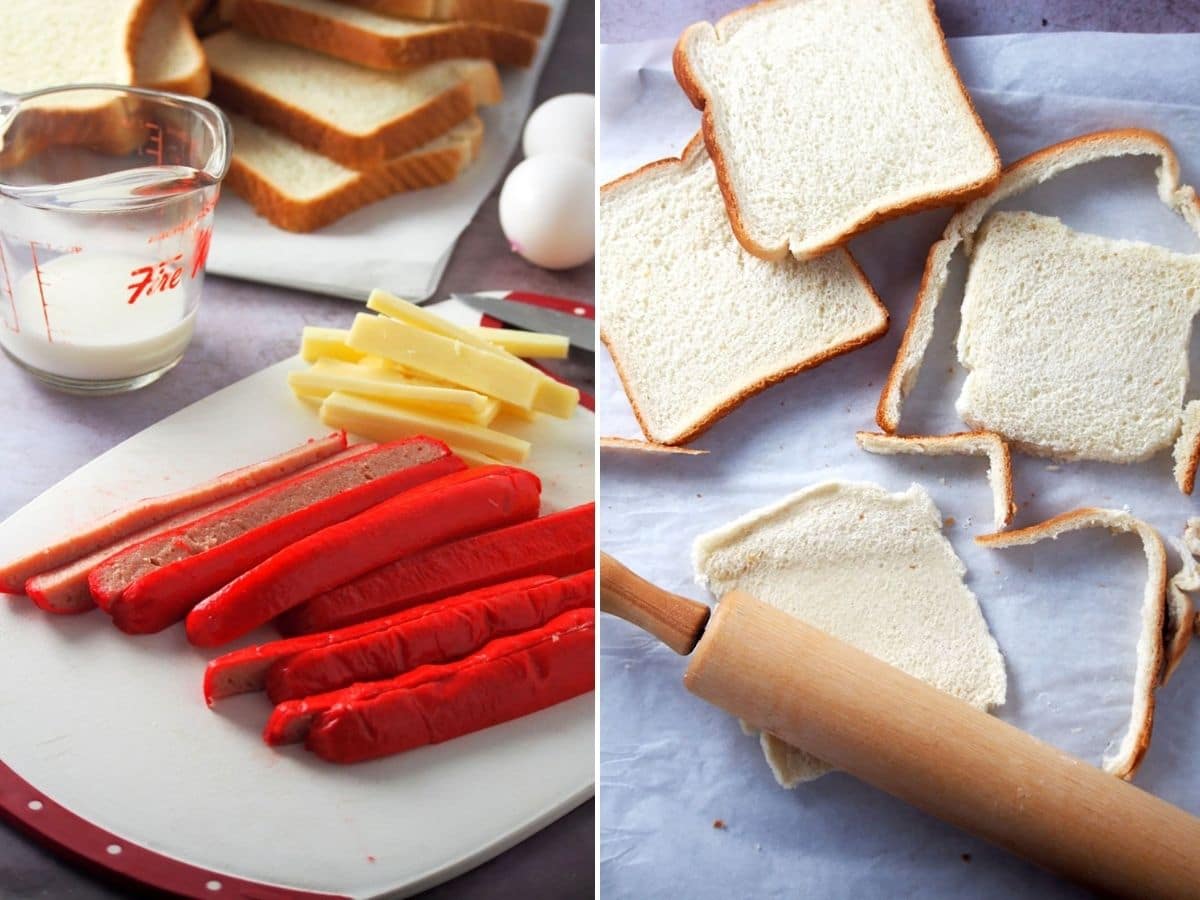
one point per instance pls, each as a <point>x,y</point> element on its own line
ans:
<point>168,56</point>
<point>1075,345</point>
<point>1123,762</point>
<point>966,443</point>
<point>1020,176</point>
<point>825,117</point>
<point>869,567</point>
<point>695,324</point>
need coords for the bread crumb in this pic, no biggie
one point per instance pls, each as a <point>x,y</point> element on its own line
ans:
<point>719,824</point>
<point>1053,468</point>
<point>951,521</point>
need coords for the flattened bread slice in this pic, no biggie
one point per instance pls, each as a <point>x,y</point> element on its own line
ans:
<point>1075,345</point>
<point>871,568</point>
<point>965,443</point>
<point>1150,655</point>
<point>355,116</point>
<point>826,117</point>
<point>1020,176</point>
<point>695,324</point>
<point>371,39</point>
<point>299,190</point>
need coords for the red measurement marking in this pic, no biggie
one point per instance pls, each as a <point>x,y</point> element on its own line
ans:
<point>37,272</point>
<point>15,327</point>
<point>148,280</point>
<point>153,147</point>
<point>200,250</point>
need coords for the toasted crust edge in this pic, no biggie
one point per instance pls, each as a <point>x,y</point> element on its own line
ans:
<point>522,15</point>
<point>412,171</point>
<point>620,443</point>
<point>1129,755</point>
<point>937,261</point>
<point>686,76</point>
<point>344,40</point>
<point>962,443</point>
<point>726,406</point>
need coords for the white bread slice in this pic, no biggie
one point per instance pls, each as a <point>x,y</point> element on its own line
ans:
<point>355,116</point>
<point>370,39</point>
<point>168,56</point>
<point>522,15</point>
<point>826,117</point>
<point>299,190</point>
<point>1076,346</point>
<point>871,568</point>
<point>1128,755</point>
<point>966,443</point>
<point>695,324</point>
<point>1187,448</point>
<point>69,41</point>
<point>620,443</point>
<point>1020,176</point>
<point>1181,620</point>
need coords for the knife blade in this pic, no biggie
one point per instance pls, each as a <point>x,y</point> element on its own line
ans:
<point>580,331</point>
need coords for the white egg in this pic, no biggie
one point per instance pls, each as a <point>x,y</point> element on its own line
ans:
<point>563,124</point>
<point>547,210</point>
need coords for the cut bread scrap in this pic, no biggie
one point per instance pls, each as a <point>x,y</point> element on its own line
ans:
<point>371,39</point>
<point>1075,345</point>
<point>168,56</point>
<point>1150,653</point>
<point>1032,170</point>
<point>695,324</point>
<point>522,15</point>
<point>869,567</point>
<point>967,443</point>
<point>1187,448</point>
<point>1191,540</point>
<point>620,443</point>
<point>358,117</point>
<point>300,190</point>
<point>1181,618</point>
<point>783,74</point>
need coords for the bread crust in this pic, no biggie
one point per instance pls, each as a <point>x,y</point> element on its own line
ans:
<point>412,171</point>
<point>962,226</point>
<point>1125,761</point>
<point>620,443</point>
<point>196,82</point>
<point>345,40</point>
<point>357,151</point>
<point>688,80</point>
<point>961,443</point>
<point>1181,620</point>
<point>522,15</point>
<point>724,407</point>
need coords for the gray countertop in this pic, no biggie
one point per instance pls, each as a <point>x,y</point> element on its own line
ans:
<point>242,328</point>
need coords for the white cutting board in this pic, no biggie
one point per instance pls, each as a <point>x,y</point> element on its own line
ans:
<point>114,730</point>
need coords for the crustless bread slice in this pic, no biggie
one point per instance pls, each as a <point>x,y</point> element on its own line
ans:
<point>825,117</point>
<point>368,38</point>
<point>355,116</point>
<point>868,567</point>
<point>695,324</point>
<point>297,189</point>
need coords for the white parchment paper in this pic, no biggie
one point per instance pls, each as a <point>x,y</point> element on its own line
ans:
<point>1064,613</point>
<point>402,243</point>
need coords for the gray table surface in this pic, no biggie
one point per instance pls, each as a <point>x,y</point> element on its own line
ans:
<point>244,327</point>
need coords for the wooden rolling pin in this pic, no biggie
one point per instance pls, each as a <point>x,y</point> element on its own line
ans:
<point>924,746</point>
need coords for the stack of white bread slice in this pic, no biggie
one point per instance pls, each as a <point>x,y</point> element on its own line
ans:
<point>336,104</point>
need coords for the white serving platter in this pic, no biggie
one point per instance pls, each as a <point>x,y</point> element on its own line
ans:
<point>108,751</point>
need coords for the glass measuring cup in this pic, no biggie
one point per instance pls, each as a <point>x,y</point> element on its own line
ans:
<point>106,211</point>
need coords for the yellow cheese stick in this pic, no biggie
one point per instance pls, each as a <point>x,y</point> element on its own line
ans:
<point>403,311</point>
<point>473,458</point>
<point>524,415</point>
<point>318,343</point>
<point>453,402</point>
<point>556,398</point>
<point>381,422</point>
<point>532,344</point>
<point>504,378</point>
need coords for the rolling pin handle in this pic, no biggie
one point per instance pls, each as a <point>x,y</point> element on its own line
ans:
<point>676,621</point>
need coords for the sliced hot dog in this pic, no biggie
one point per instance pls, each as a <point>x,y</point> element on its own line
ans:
<point>558,544</point>
<point>65,590</point>
<point>240,671</point>
<point>449,508</point>
<point>431,634</point>
<point>153,511</point>
<point>511,677</point>
<point>153,584</point>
